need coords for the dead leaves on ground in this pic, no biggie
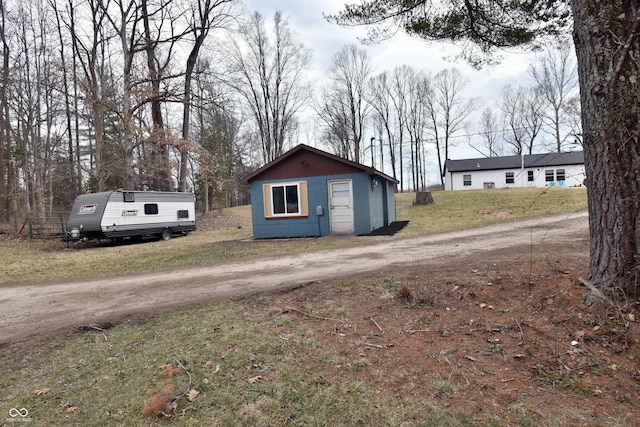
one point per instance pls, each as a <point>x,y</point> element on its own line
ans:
<point>255,379</point>
<point>166,397</point>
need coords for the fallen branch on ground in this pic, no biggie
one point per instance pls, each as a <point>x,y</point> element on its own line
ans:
<point>378,326</point>
<point>311,315</point>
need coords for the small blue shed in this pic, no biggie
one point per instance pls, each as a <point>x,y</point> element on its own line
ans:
<point>308,192</point>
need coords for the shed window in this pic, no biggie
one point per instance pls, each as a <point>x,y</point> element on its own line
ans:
<point>548,175</point>
<point>285,199</point>
<point>509,178</point>
<point>560,175</point>
<point>151,209</point>
<point>466,180</point>
<point>530,176</point>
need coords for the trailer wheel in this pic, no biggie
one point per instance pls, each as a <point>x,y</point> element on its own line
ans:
<point>166,234</point>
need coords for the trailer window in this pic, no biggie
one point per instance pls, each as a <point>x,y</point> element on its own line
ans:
<point>183,214</point>
<point>128,196</point>
<point>151,209</point>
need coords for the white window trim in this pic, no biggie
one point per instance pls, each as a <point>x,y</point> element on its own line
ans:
<point>508,177</point>
<point>303,203</point>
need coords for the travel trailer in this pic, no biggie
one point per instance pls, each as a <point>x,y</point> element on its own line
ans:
<point>128,213</point>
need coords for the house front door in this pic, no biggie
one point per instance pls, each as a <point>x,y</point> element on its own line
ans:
<point>341,207</point>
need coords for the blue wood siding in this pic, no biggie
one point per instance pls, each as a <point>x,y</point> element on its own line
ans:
<point>312,225</point>
<point>382,205</point>
<point>368,203</point>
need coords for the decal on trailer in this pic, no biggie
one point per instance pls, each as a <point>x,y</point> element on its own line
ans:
<point>131,212</point>
<point>87,209</point>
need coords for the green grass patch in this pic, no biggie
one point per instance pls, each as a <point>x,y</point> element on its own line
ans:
<point>459,210</point>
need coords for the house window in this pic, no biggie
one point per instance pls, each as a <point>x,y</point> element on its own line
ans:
<point>151,209</point>
<point>560,175</point>
<point>530,176</point>
<point>466,180</point>
<point>509,178</point>
<point>285,199</point>
<point>548,175</point>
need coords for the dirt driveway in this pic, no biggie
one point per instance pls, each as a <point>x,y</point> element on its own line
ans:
<point>33,311</point>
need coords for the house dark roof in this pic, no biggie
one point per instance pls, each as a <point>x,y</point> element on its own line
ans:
<point>298,151</point>
<point>515,162</point>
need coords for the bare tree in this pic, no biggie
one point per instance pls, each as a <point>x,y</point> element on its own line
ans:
<point>87,95</point>
<point>448,110</point>
<point>150,28</point>
<point>556,77</point>
<point>400,86</point>
<point>35,104</point>
<point>126,25</point>
<point>267,72</point>
<point>384,118</point>
<point>416,121</point>
<point>8,190</point>
<point>158,170</point>
<point>333,114</point>
<point>512,106</point>
<point>572,112</point>
<point>89,46</point>
<point>205,15</point>
<point>489,131</point>
<point>522,114</point>
<point>344,103</point>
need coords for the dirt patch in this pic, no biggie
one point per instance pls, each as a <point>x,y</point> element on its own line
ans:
<point>224,219</point>
<point>495,213</point>
<point>501,334</point>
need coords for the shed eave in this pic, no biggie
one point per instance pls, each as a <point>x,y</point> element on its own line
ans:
<point>366,169</point>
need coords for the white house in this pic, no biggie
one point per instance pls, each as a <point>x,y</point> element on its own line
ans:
<point>533,170</point>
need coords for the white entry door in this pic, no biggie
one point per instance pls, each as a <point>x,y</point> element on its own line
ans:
<point>341,207</point>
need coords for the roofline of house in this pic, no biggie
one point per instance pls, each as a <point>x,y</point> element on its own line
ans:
<point>366,169</point>
<point>513,162</point>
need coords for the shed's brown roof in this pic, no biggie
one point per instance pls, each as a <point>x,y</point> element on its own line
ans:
<point>328,164</point>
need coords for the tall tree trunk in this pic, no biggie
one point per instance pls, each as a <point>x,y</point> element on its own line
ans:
<point>160,169</point>
<point>127,113</point>
<point>607,44</point>
<point>186,117</point>
<point>6,163</point>
<point>67,104</point>
<point>200,29</point>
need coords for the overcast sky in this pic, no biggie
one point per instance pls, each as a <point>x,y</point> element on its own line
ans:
<point>324,39</point>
